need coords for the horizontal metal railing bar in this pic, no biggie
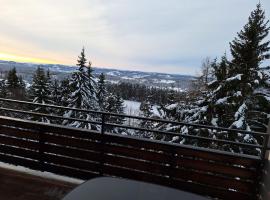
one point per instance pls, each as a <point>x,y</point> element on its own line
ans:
<point>187,136</point>
<point>131,127</point>
<point>49,105</point>
<point>238,155</point>
<point>138,117</point>
<point>49,116</point>
<point>44,125</point>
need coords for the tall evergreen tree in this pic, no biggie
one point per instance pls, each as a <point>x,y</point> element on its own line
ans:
<point>101,92</point>
<point>15,85</point>
<point>65,92</point>
<point>146,110</point>
<point>12,78</point>
<point>56,95</point>
<point>55,98</point>
<point>249,50</point>
<point>169,109</point>
<point>239,95</point>
<point>3,89</point>
<point>22,89</point>
<point>91,81</point>
<point>40,93</point>
<point>83,94</point>
<point>115,104</point>
<point>119,105</point>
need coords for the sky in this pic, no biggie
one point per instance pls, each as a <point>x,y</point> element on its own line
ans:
<point>171,36</point>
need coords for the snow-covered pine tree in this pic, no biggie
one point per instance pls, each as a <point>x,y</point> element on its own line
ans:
<point>65,91</point>
<point>217,110</point>
<point>115,104</point>
<point>119,105</point>
<point>3,89</point>
<point>168,110</point>
<point>92,84</point>
<point>40,93</point>
<point>146,110</point>
<point>249,50</point>
<point>56,99</point>
<point>56,95</point>
<point>101,92</point>
<point>83,94</point>
<point>199,84</point>
<point>246,84</point>
<point>110,108</point>
<point>15,85</point>
<point>12,79</point>
<point>239,94</point>
<point>3,94</point>
<point>110,103</point>
<point>22,89</point>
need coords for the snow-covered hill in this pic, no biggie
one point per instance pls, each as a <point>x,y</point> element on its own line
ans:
<point>181,82</point>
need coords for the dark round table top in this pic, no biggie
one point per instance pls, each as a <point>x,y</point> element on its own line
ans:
<point>106,188</point>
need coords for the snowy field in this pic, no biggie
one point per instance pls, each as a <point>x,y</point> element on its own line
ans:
<point>133,108</point>
<point>47,175</point>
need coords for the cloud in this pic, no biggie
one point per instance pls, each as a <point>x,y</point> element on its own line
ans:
<point>153,35</point>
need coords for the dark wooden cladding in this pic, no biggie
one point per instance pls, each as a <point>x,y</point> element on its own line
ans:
<point>13,132</point>
<point>184,174</point>
<point>223,158</point>
<point>32,164</point>
<point>142,165</point>
<point>176,183</point>
<point>19,152</point>
<point>218,168</point>
<point>72,152</point>
<point>72,132</point>
<point>71,162</point>
<point>84,154</point>
<point>70,172</point>
<point>18,123</point>
<point>138,153</point>
<point>71,142</point>
<point>213,180</point>
<point>19,143</point>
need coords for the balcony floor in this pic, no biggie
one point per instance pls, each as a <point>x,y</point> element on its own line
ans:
<point>16,185</point>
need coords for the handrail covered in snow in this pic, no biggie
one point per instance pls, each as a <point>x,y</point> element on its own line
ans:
<point>102,120</point>
<point>130,116</point>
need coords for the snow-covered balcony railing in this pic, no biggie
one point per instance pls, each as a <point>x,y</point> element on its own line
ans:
<point>148,155</point>
<point>205,136</point>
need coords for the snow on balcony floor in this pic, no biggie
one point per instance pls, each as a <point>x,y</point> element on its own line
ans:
<point>18,185</point>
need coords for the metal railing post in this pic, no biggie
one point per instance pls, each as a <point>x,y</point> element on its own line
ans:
<point>103,115</point>
<point>172,164</point>
<point>267,153</point>
<point>265,178</point>
<point>41,142</point>
<point>102,123</point>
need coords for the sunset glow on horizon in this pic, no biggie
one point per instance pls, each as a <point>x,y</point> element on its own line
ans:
<point>23,59</point>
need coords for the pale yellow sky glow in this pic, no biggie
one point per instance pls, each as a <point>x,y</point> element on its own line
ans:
<point>17,58</point>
